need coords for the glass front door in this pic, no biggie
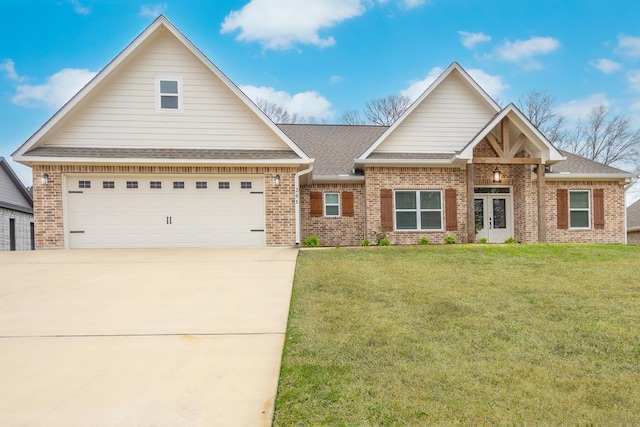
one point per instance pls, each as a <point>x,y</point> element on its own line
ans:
<point>493,217</point>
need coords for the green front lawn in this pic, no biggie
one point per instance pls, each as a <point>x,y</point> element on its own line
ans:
<point>469,334</point>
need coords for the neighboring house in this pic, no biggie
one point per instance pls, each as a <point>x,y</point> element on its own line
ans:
<point>16,212</point>
<point>161,149</point>
<point>633,223</point>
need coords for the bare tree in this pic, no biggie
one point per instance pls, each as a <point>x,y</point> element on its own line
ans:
<point>385,111</point>
<point>276,112</point>
<point>352,117</point>
<point>537,105</point>
<point>605,138</point>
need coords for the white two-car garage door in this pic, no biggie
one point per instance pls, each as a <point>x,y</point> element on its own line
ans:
<point>161,211</point>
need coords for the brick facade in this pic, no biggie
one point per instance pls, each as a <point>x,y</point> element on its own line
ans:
<point>413,178</point>
<point>334,231</point>
<point>48,199</point>
<point>22,222</point>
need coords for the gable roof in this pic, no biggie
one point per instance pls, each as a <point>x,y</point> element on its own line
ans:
<point>633,216</point>
<point>333,147</point>
<point>19,188</point>
<point>524,125</point>
<point>453,68</point>
<point>158,23</point>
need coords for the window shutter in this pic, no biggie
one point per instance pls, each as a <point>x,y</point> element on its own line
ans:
<point>451,208</point>
<point>598,208</point>
<point>316,203</point>
<point>386,209</point>
<point>347,203</point>
<point>563,208</point>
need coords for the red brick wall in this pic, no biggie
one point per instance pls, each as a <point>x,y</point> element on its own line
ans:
<point>48,212</point>
<point>334,231</point>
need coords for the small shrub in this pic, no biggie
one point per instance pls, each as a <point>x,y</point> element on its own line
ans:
<point>365,242</point>
<point>384,242</point>
<point>483,240</point>
<point>311,242</point>
<point>449,240</point>
<point>511,240</point>
<point>424,241</point>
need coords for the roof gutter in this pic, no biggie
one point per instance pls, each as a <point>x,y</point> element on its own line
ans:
<point>328,179</point>
<point>297,199</point>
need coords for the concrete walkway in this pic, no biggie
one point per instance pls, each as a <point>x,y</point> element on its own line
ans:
<point>162,337</point>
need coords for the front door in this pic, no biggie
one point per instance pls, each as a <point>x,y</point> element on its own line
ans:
<point>493,215</point>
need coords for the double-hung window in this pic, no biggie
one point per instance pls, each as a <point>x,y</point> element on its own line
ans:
<point>579,209</point>
<point>331,204</point>
<point>418,210</point>
<point>169,92</point>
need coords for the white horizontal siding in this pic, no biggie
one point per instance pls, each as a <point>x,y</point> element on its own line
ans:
<point>122,110</point>
<point>444,122</point>
<point>8,191</point>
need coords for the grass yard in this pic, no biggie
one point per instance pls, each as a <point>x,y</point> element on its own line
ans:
<point>468,334</point>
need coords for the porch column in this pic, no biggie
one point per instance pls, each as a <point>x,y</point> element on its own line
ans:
<point>471,220</point>
<point>542,206</point>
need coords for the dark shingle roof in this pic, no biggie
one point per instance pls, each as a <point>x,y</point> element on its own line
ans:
<point>633,215</point>
<point>334,147</point>
<point>162,153</point>
<point>578,164</point>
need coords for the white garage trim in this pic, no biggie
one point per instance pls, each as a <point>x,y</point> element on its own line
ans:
<point>156,211</point>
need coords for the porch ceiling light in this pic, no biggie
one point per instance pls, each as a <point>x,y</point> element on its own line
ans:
<point>277,180</point>
<point>44,180</point>
<point>497,175</point>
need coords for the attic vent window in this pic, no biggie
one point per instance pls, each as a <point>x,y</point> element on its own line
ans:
<point>169,94</point>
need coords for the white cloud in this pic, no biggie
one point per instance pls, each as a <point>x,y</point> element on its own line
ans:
<point>607,66</point>
<point>280,24</point>
<point>58,89</point>
<point>580,108</point>
<point>493,85</point>
<point>524,51</point>
<point>79,8</point>
<point>470,40</point>
<point>152,10</point>
<point>633,77</point>
<point>628,46</point>
<point>305,104</point>
<point>9,68</point>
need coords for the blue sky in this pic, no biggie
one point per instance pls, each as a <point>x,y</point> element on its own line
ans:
<point>322,57</point>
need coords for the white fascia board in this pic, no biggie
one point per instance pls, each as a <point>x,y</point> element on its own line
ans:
<point>563,176</point>
<point>131,161</point>
<point>326,179</point>
<point>530,131</point>
<point>161,21</point>
<point>407,162</point>
<point>454,66</point>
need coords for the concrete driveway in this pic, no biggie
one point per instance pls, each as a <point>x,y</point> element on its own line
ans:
<point>162,337</point>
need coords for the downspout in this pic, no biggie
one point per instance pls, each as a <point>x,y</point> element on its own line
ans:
<point>297,197</point>
<point>626,187</point>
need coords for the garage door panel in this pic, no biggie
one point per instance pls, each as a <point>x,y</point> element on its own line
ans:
<point>186,216</point>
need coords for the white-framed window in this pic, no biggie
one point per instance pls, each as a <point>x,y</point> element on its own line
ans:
<point>169,93</point>
<point>223,185</point>
<point>201,185</point>
<point>418,209</point>
<point>108,184</point>
<point>84,184</point>
<point>132,184</point>
<point>155,185</point>
<point>579,209</point>
<point>178,185</point>
<point>331,204</point>
<point>245,185</point>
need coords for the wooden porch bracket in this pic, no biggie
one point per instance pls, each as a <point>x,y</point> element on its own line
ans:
<point>471,220</point>
<point>542,205</point>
